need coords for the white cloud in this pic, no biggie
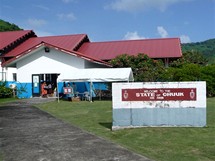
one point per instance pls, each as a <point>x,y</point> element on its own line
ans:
<point>185,39</point>
<point>69,16</point>
<point>133,36</point>
<point>140,5</point>
<point>42,33</point>
<point>162,31</point>
<point>36,22</point>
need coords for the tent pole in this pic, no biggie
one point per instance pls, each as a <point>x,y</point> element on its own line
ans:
<point>90,91</point>
<point>57,93</point>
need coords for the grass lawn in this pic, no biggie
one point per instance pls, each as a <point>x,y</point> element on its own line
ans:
<point>165,144</point>
<point>5,100</point>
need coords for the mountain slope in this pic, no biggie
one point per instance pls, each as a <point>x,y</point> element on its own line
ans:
<point>6,26</point>
<point>207,48</point>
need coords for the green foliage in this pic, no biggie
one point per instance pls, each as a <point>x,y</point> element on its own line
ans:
<point>191,67</point>
<point>208,75</point>
<point>6,26</point>
<point>188,72</point>
<point>207,48</point>
<point>144,68</point>
<point>5,92</point>
<point>193,72</point>
<point>190,57</point>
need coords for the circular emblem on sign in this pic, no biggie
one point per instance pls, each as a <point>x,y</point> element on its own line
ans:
<point>192,94</point>
<point>125,95</point>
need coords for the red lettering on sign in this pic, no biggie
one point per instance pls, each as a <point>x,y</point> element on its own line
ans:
<point>159,94</point>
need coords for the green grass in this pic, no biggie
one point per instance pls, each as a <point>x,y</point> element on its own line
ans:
<point>6,100</point>
<point>164,144</point>
<point>1,156</point>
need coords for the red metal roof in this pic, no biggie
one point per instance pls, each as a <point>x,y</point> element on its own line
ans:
<point>154,48</point>
<point>9,37</point>
<point>67,42</point>
<point>73,53</point>
<point>98,51</point>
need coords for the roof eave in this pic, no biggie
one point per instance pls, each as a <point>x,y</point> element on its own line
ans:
<point>20,56</point>
<point>74,53</point>
<point>78,54</point>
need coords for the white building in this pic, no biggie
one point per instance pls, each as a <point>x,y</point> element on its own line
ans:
<point>28,60</point>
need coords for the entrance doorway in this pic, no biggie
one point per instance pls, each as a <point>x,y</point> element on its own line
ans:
<point>51,84</point>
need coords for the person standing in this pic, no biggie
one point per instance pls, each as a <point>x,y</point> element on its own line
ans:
<point>44,89</point>
<point>74,87</point>
<point>69,95</point>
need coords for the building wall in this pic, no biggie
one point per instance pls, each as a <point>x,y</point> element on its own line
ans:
<point>6,73</point>
<point>149,112</point>
<point>42,62</point>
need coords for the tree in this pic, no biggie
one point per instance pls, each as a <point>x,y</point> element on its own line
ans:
<point>208,75</point>
<point>5,92</point>
<point>207,48</point>
<point>193,72</point>
<point>188,57</point>
<point>188,72</point>
<point>144,68</point>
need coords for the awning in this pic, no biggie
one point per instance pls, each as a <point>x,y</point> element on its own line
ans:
<point>97,75</point>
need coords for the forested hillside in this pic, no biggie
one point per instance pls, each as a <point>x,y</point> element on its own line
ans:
<point>6,26</point>
<point>207,48</point>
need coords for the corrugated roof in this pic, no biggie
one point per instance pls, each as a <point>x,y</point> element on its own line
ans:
<point>73,53</point>
<point>67,42</point>
<point>154,48</point>
<point>10,37</point>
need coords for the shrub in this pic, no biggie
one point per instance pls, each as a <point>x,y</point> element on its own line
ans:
<point>5,92</point>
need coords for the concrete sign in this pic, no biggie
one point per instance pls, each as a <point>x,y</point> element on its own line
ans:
<point>159,104</point>
<point>159,94</point>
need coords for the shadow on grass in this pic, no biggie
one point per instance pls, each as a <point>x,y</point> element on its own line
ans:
<point>107,125</point>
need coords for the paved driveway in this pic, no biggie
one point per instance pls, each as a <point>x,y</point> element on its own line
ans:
<point>29,134</point>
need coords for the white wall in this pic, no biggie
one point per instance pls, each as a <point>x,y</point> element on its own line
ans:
<point>143,104</point>
<point>199,103</point>
<point>7,73</point>
<point>42,62</point>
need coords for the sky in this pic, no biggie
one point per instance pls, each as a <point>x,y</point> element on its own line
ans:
<point>110,20</point>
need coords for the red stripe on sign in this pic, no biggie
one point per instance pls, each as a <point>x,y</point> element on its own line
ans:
<point>159,94</point>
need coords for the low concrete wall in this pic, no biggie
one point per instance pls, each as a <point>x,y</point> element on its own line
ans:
<point>184,108</point>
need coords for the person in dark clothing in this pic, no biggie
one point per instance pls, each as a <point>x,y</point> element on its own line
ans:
<point>69,95</point>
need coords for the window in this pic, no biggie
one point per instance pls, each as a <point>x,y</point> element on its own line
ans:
<point>2,76</point>
<point>14,76</point>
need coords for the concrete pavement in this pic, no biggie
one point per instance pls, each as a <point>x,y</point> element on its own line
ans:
<point>29,134</point>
